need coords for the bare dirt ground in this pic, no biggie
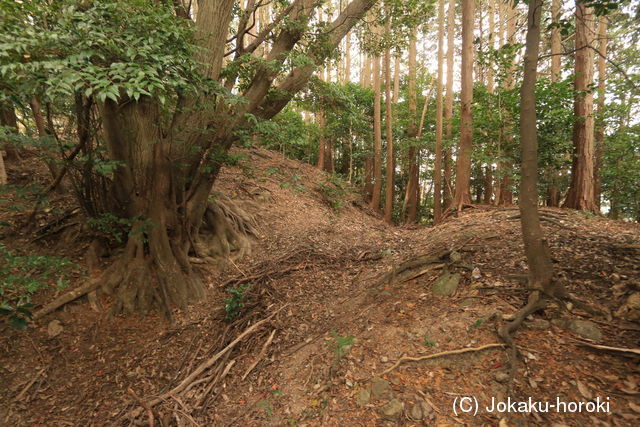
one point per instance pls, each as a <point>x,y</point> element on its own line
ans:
<point>338,308</point>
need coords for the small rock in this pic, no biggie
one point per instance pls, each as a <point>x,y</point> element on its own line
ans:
<point>630,310</point>
<point>393,409</point>
<point>380,388</point>
<point>446,284</point>
<point>364,396</point>
<point>416,412</point>
<point>583,328</point>
<point>501,377</point>
<point>476,273</point>
<point>384,359</point>
<point>539,324</point>
<point>54,328</point>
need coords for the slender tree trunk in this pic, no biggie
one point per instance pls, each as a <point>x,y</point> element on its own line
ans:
<point>535,244</point>
<point>581,192</point>
<point>463,163</point>
<point>437,169</point>
<point>365,77</point>
<point>599,136</point>
<point>377,136</point>
<point>448,105</point>
<point>390,181</point>
<point>411,201</point>
<point>506,180</point>
<point>42,133</point>
<point>553,193</point>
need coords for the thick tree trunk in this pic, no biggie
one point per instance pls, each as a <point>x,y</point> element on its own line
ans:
<point>599,136</point>
<point>581,191</point>
<point>448,105</point>
<point>167,201</point>
<point>463,162</point>
<point>437,169</point>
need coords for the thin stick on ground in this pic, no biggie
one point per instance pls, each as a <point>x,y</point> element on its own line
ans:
<point>260,356</point>
<point>441,354</point>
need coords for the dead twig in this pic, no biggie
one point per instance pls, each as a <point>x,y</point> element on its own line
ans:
<point>441,354</point>
<point>66,298</point>
<point>260,355</point>
<point>29,384</point>
<point>635,351</point>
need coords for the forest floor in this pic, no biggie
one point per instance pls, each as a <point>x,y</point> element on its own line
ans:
<point>342,297</point>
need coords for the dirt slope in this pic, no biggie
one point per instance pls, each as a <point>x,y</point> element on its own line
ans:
<point>344,311</point>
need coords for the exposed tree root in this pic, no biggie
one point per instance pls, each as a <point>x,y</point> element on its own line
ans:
<point>536,302</point>
<point>441,354</point>
<point>420,265</point>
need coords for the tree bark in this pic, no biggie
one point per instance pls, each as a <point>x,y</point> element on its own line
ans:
<point>390,175</point>
<point>411,202</point>
<point>437,169</point>
<point>448,105</point>
<point>463,163</point>
<point>581,191</point>
<point>377,137</point>
<point>599,136</point>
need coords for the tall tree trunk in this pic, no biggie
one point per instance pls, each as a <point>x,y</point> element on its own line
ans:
<point>390,175</point>
<point>448,105</point>
<point>581,191</point>
<point>535,244</point>
<point>463,162</point>
<point>377,136</point>
<point>553,193</point>
<point>437,169</point>
<point>506,167</point>
<point>411,201</point>
<point>599,137</point>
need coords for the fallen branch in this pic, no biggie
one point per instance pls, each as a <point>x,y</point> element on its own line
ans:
<point>66,298</point>
<point>635,351</point>
<point>192,377</point>
<point>261,355</point>
<point>441,354</point>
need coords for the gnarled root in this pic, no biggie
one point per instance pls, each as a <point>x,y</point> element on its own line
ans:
<point>537,301</point>
<point>226,230</point>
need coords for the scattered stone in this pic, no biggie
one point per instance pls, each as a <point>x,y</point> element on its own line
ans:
<point>501,376</point>
<point>393,409</point>
<point>476,273</point>
<point>380,388</point>
<point>630,310</point>
<point>539,324</point>
<point>446,284</point>
<point>54,328</point>
<point>364,396</point>
<point>384,359</point>
<point>583,328</point>
<point>416,412</point>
